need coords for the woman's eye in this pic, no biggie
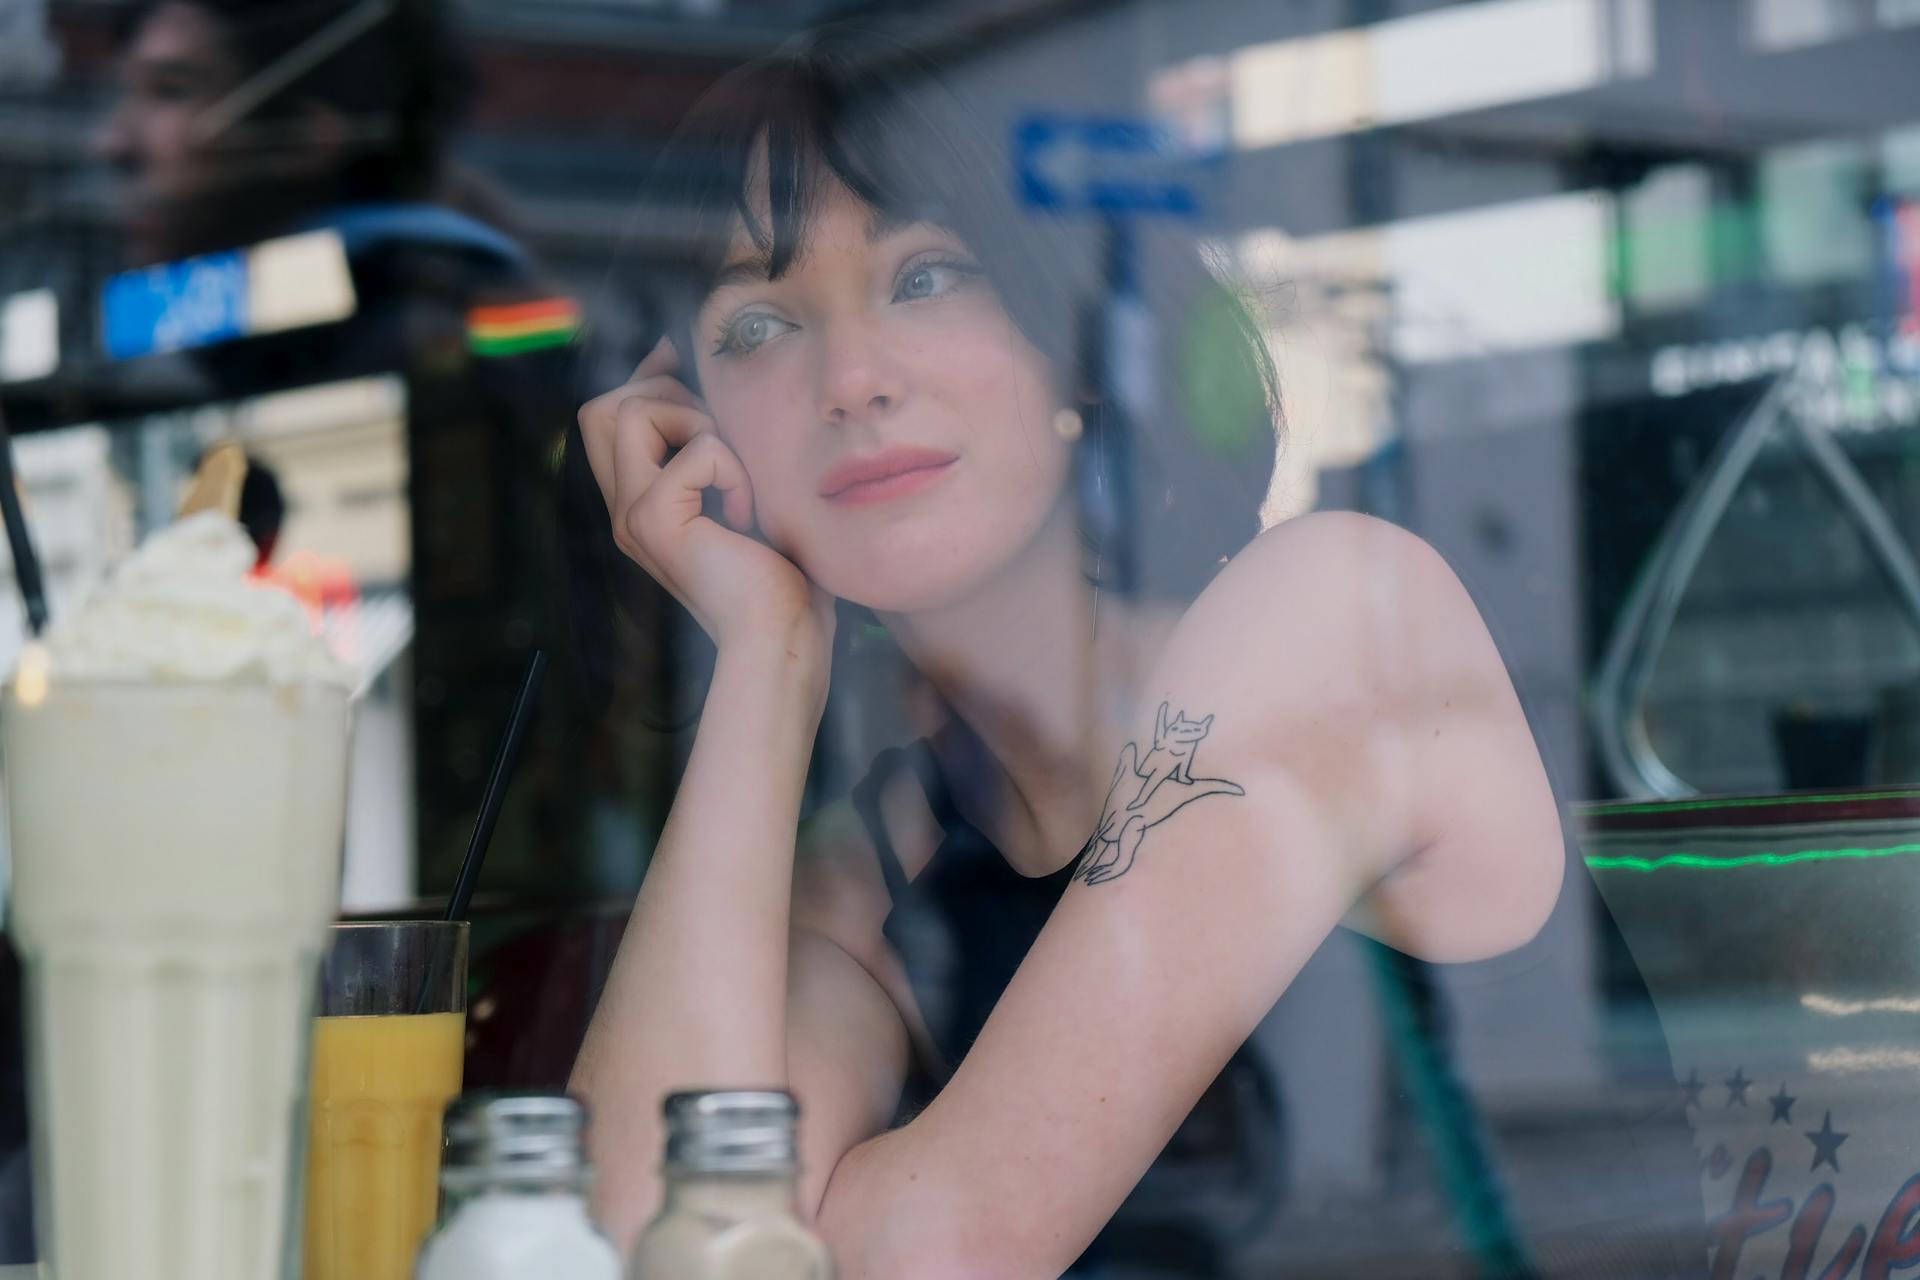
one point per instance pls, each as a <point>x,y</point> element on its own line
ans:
<point>750,332</point>
<point>931,279</point>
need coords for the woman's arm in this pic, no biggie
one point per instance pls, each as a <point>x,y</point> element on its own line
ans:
<point>698,992</point>
<point>1347,673</point>
<point>723,978</point>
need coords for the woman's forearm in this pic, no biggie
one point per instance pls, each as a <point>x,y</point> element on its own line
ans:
<point>898,1205</point>
<point>697,994</point>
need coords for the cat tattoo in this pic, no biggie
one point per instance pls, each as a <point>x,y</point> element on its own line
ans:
<point>1146,792</point>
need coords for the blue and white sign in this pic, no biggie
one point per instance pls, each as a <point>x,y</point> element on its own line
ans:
<point>176,305</point>
<point>285,283</point>
<point>1108,165</point>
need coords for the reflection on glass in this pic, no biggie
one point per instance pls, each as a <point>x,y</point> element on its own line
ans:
<point>1523,267</point>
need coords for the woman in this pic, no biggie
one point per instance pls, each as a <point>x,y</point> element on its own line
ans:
<point>1317,732</point>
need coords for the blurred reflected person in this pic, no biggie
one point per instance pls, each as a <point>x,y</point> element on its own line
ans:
<point>1147,810</point>
<point>240,120</point>
<point>367,124</point>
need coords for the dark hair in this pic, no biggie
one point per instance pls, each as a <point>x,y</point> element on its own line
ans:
<point>855,106</point>
<point>404,81</point>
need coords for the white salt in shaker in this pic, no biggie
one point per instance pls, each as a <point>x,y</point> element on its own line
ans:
<point>516,1179</point>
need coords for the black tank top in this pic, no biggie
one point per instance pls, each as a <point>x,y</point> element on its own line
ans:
<point>963,925</point>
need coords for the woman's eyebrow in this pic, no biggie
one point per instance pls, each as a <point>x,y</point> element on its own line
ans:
<point>884,223</point>
<point>755,270</point>
<point>881,224</point>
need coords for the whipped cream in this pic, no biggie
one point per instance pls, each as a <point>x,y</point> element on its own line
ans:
<point>182,608</point>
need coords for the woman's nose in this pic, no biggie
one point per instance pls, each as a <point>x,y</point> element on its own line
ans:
<point>859,379</point>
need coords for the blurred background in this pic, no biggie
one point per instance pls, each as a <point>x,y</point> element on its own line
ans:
<point>1615,302</point>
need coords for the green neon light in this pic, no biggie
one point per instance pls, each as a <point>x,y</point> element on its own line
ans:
<point>1703,862</point>
<point>1749,802</point>
<point>525,342</point>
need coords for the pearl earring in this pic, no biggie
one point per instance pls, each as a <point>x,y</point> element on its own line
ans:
<point>1067,424</point>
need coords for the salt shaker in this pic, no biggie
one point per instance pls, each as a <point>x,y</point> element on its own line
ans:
<point>516,1178</point>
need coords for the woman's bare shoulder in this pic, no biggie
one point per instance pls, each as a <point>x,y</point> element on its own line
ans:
<point>1316,643</point>
<point>1331,555</point>
<point>1355,661</point>
<point>1355,603</point>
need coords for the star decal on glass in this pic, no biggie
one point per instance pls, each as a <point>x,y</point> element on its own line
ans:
<point>1826,1144</point>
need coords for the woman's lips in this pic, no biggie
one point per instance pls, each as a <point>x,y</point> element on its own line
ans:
<point>893,474</point>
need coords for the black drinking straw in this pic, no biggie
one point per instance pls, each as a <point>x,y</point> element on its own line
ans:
<point>504,760</point>
<point>26,565</point>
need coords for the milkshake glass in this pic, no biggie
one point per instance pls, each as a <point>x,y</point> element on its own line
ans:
<point>176,833</point>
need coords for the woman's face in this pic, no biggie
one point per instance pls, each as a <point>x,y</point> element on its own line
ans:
<point>883,349</point>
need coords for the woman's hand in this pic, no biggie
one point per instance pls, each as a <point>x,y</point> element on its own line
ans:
<point>738,588</point>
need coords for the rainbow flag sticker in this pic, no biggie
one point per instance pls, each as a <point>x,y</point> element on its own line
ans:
<point>522,326</point>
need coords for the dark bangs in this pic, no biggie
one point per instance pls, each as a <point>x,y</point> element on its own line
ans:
<point>857,108</point>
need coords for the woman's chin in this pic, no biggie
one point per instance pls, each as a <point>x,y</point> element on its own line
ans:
<point>920,566</point>
<point>919,597</point>
<point>902,586</point>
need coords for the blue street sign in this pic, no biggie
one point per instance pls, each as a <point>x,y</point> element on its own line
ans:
<point>1110,165</point>
<point>176,305</point>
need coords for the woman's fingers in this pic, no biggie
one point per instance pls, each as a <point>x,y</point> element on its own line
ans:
<point>628,437</point>
<point>643,432</point>
<point>674,499</point>
<point>596,436</point>
<point>653,497</point>
<point>658,426</point>
<point>655,453</point>
<point>600,418</point>
<point>666,532</point>
<point>665,387</point>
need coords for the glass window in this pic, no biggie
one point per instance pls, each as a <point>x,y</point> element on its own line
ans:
<point>1236,639</point>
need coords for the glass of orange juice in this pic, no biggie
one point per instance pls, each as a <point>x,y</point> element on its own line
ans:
<point>387,1049</point>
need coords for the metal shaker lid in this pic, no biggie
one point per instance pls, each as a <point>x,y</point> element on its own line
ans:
<point>731,1131</point>
<point>518,1134</point>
